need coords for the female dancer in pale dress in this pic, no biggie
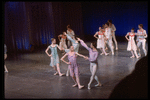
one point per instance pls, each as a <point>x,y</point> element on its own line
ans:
<point>93,55</point>
<point>54,56</point>
<point>75,44</point>
<point>113,29</point>
<point>131,43</point>
<point>73,66</point>
<point>62,43</point>
<point>101,41</point>
<point>71,33</point>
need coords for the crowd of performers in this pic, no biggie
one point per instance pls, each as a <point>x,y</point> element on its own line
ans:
<point>104,41</point>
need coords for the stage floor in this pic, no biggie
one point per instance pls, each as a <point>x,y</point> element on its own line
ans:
<point>30,75</point>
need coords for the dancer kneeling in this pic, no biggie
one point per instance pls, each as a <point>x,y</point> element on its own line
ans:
<point>73,66</point>
<point>93,54</point>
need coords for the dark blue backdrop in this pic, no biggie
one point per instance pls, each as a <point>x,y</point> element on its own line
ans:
<point>124,15</point>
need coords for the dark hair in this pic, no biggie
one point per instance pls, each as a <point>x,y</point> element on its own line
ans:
<point>68,26</point>
<point>141,25</point>
<point>132,28</point>
<point>76,36</point>
<point>52,39</point>
<point>109,21</point>
<point>94,44</point>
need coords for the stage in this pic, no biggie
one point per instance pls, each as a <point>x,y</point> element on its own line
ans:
<point>30,75</point>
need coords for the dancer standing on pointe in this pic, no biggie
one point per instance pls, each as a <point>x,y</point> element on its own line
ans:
<point>108,35</point>
<point>141,35</point>
<point>73,66</point>
<point>75,44</point>
<point>62,43</point>
<point>93,55</point>
<point>54,56</point>
<point>101,41</point>
<point>131,43</point>
<point>113,29</point>
<point>71,33</point>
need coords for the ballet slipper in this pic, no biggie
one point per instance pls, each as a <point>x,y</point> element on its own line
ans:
<point>132,56</point>
<point>56,73</point>
<point>106,54</point>
<point>101,53</point>
<point>74,85</point>
<point>116,48</point>
<point>98,85</point>
<point>81,86</point>
<point>61,74</point>
<point>89,87</point>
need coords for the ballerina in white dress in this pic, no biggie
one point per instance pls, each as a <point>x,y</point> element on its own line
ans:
<point>131,43</point>
<point>101,41</point>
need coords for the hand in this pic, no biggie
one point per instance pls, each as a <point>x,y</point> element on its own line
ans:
<point>68,63</point>
<point>65,33</point>
<point>78,39</point>
<point>86,58</point>
<point>49,55</point>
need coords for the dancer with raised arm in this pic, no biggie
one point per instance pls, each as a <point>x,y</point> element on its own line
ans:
<point>71,33</point>
<point>131,43</point>
<point>113,29</point>
<point>93,55</point>
<point>100,41</point>
<point>75,44</point>
<point>62,43</point>
<point>54,56</point>
<point>73,66</point>
<point>141,35</point>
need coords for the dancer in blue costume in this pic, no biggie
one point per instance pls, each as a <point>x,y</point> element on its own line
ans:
<point>54,56</point>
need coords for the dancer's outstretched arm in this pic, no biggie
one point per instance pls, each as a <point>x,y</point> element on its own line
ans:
<point>126,36</point>
<point>83,44</point>
<point>81,55</point>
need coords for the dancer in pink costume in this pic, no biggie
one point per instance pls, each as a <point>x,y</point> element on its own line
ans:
<point>73,66</point>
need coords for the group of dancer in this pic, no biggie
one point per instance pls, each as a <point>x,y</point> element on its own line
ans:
<point>104,37</point>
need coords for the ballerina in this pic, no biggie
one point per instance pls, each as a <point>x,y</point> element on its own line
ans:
<point>73,66</point>
<point>54,56</point>
<point>5,56</point>
<point>75,44</point>
<point>131,43</point>
<point>93,55</point>
<point>100,41</point>
<point>62,43</point>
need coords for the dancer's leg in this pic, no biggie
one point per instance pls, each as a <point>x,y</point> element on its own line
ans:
<point>143,47</point>
<point>138,47</point>
<point>67,73</point>
<point>6,70</point>
<point>110,46</point>
<point>132,54</point>
<point>58,69</point>
<point>55,70</point>
<point>114,38</point>
<point>93,68</point>
<point>76,71</point>
<point>136,54</point>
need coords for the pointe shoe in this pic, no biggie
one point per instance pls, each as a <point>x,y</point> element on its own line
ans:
<point>61,74</point>
<point>74,85</point>
<point>112,53</point>
<point>132,56</point>
<point>56,73</point>
<point>101,53</point>
<point>98,85</point>
<point>80,87</point>
<point>106,54</point>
